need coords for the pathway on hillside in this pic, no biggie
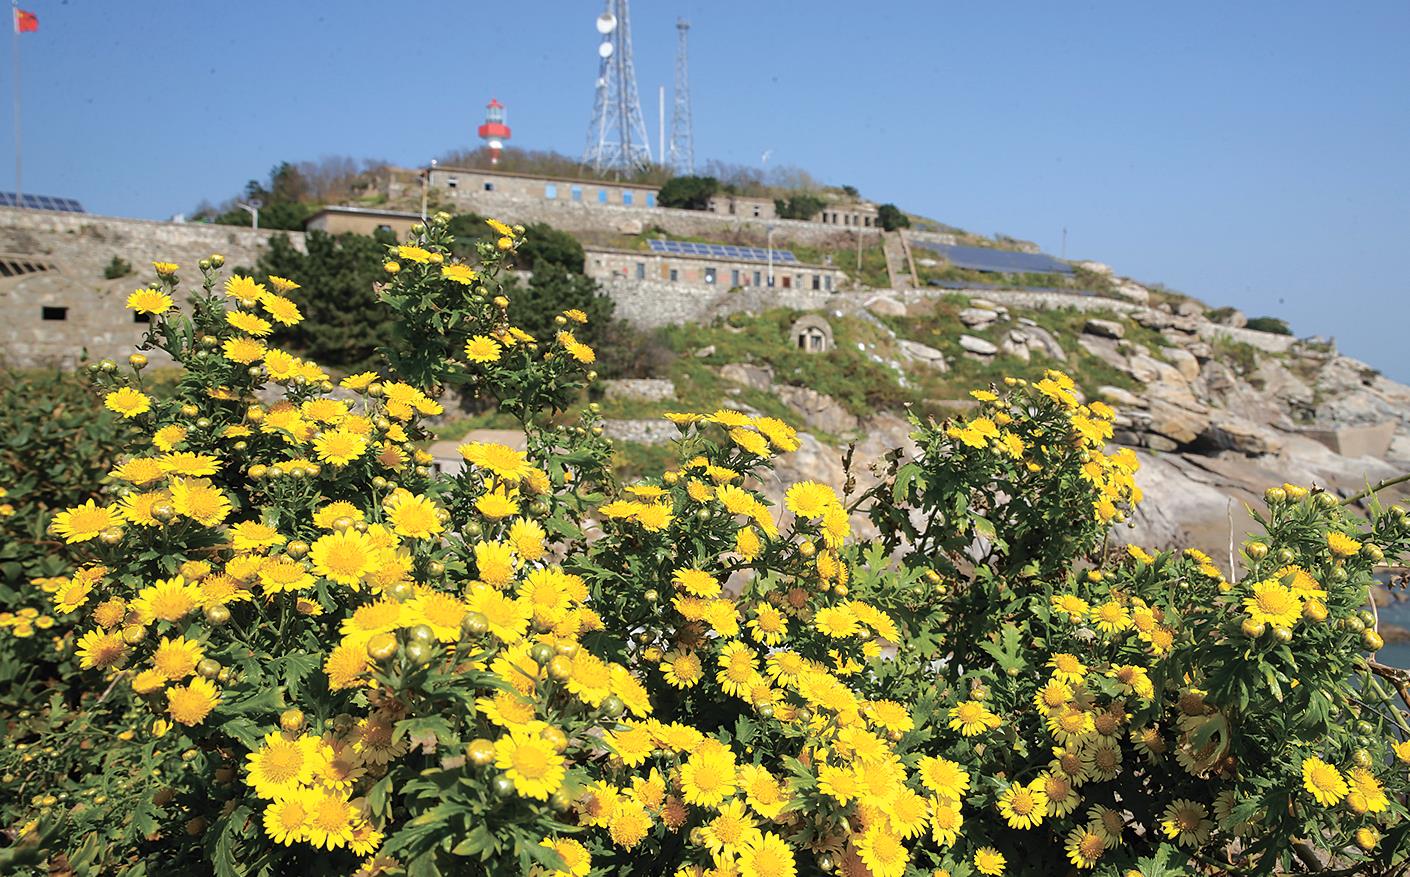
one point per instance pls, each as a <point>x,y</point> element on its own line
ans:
<point>898,265</point>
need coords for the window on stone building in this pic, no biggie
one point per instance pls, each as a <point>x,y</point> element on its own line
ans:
<point>452,182</point>
<point>787,282</point>
<point>577,193</point>
<point>734,277</point>
<point>675,275</point>
<point>640,270</point>
<point>489,187</point>
<point>627,197</point>
<point>49,312</point>
<point>827,283</point>
<point>756,211</point>
<point>758,278</point>
<point>710,276</point>
<point>550,191</point>
<point>650,199</point>
<point>817,282</point>
<point>601,196</point>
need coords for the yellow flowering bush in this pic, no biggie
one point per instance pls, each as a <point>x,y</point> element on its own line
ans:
<point>297,647</point>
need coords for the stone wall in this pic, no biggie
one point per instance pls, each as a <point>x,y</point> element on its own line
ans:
<point>603,265</point>
<point>75,248</point>
<point>651,303</point>
<point>590,217</point>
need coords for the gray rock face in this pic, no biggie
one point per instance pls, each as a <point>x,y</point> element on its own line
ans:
<point>1104,328</point>
<point>977,346</point>
<point>924,355</point>
<point>650,389</point>
<point>757,377</point>
<point>1119,397</point>
<point>1132,291</point>
<point>885,306</point>
<point>978,318</point>
<point>818,411</point>
<point>1234,318</point>
<point>1229,431</point>
<point>1015,344</point>
<point>1175,412</point>
<point>1184,361</point>
<point>1041,339</point>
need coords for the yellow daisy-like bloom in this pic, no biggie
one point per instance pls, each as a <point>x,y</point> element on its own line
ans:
<point>531,762</point>
<point>882,852</point>
<point>750,441</point>
<point>283,284</point>
<point>165,269</point>
<point>280,765</point>
<point>1365,793</point>
<point>249,323</point>
<point>281,309</point>
<point>836,622</point>
<point>989,861</point>
<point>1274,604</point>
<point>85,522</point>
<point>413,517</point>
<point>1112,617</point>
<point>345,557</point>
<point>1067,668</point>
<point>1084,847</point>
<point>731,831</point>
<point>414,254</point>
<point>971,718</point>
<point>188,463</point>
<point>1186,822</point>
<point>286,818</point>
<point>459,273</point>
<point>809,499</point>
<point>168,437</point>
<point>331,820</point>
<point>149,301</point>
<point>199,500</point>
<point>331,512</point>
<point>1023,806</point>
<point>577,861</point>
<point>252,535</point>
<point>738,670</point>
<point>768,626</point>
<point>497,504</point>
<point>244,290</point>
<point>628,822</point>
<point>1342,545</point>
<point>346,665</point>
<point>1071,605</point>
<point>499,227</point>
<point>767,856</point>
<point>339,446</point>
<point>528,538</point>
<point>508,617</point>
<point>682,669</point>
<point>503,461</point>
<point>495,562</point>
<point>943,777</point>
<point>708,777</point>
<point>100,649</point>
<point>167,600</point>
<point>483,349</point>
<point>127,402</point>
<point>177,658</point>
<point>190,704</point>
<point>1323,781</point>
<point>439,611</point>
<point>142,470</point>
<point>696,582</point>
<point>283,574</point>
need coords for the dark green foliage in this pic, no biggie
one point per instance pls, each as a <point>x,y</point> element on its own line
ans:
<point>850,191</point>
<point>344,324</point>
<point>552,290</point>
<point>118,267</point>
<point>284,201</point>
<point>543,244</point>
<point>800,206</point>
<point>55,449</point>
<point>1276,325</point>
<point>688,193</point>
<point>891,217</point>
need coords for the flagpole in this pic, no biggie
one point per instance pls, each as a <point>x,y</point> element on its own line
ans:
<point>15,38</point>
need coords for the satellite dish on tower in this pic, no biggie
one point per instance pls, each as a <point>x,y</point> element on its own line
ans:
<point>605,50</point>
<point>606,23</point>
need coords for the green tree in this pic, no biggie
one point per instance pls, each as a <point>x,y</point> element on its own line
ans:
<point>543,244</point>
<point>891,217</point>
<point>800,206</point>
<point>1276,325</point>
<point>552,290</point>
<point>344,324</point>
<point>688,193</point>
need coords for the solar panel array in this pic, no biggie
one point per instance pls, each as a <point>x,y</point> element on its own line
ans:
<point>720,251</point>
<point>42,202</point>
<point>997,261</point>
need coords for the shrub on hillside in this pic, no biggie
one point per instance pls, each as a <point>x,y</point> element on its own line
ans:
<point>1276,325</point>
<point>890,217</point>
<point>300,649</point>
<point>688,193</point>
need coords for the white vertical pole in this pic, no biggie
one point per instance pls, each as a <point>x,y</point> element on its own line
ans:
<point>19,165</point>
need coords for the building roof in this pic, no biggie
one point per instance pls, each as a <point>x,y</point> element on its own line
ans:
<point>362,211</point>
<point>645,187</point>
<point>997,261</point>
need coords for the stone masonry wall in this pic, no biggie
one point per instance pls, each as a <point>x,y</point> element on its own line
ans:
<point>76,247</point>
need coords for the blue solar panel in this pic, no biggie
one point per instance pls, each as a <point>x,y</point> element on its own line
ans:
<point>720,251</point>
<point>997,261</point>
<point>42,202</point>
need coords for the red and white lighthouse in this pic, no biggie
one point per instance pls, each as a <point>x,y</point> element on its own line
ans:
<point>494,132</point>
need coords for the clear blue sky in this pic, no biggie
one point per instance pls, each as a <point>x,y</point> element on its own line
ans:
<point>1252,154</point>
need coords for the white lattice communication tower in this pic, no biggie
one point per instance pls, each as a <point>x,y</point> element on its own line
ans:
<point>617,139</point>
<point>682,155</point>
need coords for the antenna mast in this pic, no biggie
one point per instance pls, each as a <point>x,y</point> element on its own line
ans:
<point>682,158</point>
<point>617,138</point>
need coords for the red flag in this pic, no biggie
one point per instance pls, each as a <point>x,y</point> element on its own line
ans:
<point>25,21</point>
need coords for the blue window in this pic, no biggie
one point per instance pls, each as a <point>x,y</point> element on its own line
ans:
<point>758,278</point>
<point>734,277</point>
<point>627,197</point>
<point>601,196</point>
<point>674,275</point>
<point>827,283</point>
<point>640,270</point>
<point>650,199</point>
<point>577,193</point>
<point>550,191</point>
